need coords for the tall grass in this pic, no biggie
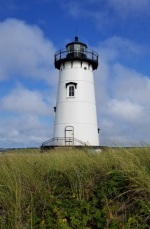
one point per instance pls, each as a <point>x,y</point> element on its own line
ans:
<point>75,189</point>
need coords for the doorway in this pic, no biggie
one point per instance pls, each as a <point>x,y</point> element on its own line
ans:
<point>69,135</point>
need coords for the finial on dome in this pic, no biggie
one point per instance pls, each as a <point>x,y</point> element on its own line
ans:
<point>76,38</point>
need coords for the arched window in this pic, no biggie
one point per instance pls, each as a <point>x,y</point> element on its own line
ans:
<point>71,86</point>
<point>71,91</point>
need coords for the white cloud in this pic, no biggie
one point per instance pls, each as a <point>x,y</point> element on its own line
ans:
<point>25,101</point>
<point>26,118</point>
<point>131,84</point>
<point>122,95</point>
<point>112,135</point>
<point>125,110</point>
<point>24,51</point>
<point>128,7</point>
<point>24,131</point>
<point>116,47</point>
<point>108,14</point>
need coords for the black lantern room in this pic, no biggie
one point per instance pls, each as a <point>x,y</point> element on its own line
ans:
<point>76,51</point>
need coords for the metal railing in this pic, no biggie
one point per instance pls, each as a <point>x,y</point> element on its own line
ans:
<point>60,141</point>
<point>88,55</point>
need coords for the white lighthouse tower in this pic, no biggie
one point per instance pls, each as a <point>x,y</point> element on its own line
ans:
<point>75,112</point>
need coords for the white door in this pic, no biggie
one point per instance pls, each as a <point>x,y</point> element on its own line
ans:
<point>69,135</point>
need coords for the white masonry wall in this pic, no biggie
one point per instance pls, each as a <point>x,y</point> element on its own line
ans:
<point>78,111</point>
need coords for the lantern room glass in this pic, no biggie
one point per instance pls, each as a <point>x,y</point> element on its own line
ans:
<point>76,48</point>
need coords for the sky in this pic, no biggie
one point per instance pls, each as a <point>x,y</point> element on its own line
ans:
<point>32,31</point>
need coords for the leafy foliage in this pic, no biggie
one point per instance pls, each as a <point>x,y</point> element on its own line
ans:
<point>75,189</point>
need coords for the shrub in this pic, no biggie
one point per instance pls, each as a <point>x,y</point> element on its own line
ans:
<point>75,189</point>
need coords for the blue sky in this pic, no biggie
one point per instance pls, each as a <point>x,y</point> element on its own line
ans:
<point>32,31</point>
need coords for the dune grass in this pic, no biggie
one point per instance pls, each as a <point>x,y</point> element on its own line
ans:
<point>75,189</point>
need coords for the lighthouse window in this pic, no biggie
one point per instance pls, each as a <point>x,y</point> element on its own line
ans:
<point>71,86</point>
<point>70,48</point>
<point>71,91</point>
<point>82,49</point>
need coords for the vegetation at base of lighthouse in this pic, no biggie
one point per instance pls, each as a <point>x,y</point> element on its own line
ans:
<point>75,189</point>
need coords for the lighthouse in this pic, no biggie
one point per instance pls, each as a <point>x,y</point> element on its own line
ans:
<point>75,121</point>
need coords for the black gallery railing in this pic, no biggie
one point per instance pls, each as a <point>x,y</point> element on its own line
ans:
<point>89,55</point>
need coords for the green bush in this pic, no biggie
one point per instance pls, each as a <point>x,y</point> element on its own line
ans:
<point>75,189</point>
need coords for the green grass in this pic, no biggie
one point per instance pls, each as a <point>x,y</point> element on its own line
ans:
<point>75,189</point>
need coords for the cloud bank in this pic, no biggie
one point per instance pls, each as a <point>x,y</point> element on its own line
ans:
<point>122,94</point>
<point>26,117</point>
<point>108,14</point>
<point>24,51</point>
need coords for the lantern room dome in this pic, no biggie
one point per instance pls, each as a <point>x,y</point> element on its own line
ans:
<point>76,44</point>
